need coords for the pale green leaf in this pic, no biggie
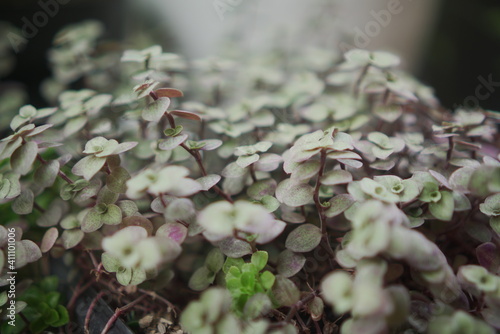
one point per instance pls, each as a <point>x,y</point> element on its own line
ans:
<point>155,110</point>
<point>23,204</point>
<point>285,292</point>
<point>207,182</point>
<point>201,279</point>
<point>46,174</point>
<point>335,177</point>
<point>49,239</point>
<point>88,166</point>
<point>23,158</point>
<point>443,209</point>
<point>339,204</point>
<point>71,238</point>
<point>290,263</point>
<point>304,238</point>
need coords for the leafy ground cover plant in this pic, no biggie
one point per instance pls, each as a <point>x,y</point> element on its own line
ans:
<point>328,193</point>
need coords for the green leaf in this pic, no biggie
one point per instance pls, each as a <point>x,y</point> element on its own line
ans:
<point>116,181</point>
<point>138,276</point>
<point>233,247</point>
<point>69,222</point>
<point>3,295</point>
<point>247,160</point>
<point>74,125</point>
<point>129,208</point>
<point>294,194</point>
<point>50,316</point>
<point>335,177</point>
<point>377,190</point>
<point>233,171</point>
<point>113,215</point>
<point>339,204</point>
<point>209,144</point>
<point>110,263</point>
<point>214,260</point>
<point>71,238</point>
<point>172,142</point>
<point>304,238</point>
<point>49,283</point>
<point>201,279</point>
<point>49,239</point>
<point>23,204</point>
<point>479,277</point>
<point>270,203</point>
<point>262,188</point>
<point>46,174</point>
<point>23,158</point>
<point>88,166</point>
<point>267,279</point>
<point>207,182</point>
<point>443,209</point>
<point>155,110</point>
<point>9,186</point>
<point>63,316</point>
<point>259,259</point>
<point>248,280</point>
<point>495,224</point>
<point>173,132</point>
<point>124,276</point>
<point>106,196</point>
<point>52,298</point>
<point>38,325</point>
<point>285,291</point>
<point>290,263</point>
<point>92,221</point>
<point>491,205</point>
<point>232,262</point>
<point>306,170</point>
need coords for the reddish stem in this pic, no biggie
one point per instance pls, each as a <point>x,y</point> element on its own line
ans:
<point>89,311</point>
<point>119,312</point>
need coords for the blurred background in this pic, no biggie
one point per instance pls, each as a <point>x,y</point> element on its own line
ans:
<point>451,45</point>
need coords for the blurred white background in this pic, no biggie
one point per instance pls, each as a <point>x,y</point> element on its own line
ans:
<point>202,26</point>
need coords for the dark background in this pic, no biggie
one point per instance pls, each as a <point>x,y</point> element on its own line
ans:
<point>465,44</point>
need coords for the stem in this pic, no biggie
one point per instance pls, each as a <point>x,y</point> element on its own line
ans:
<point>298,305</point>
<point>252,173</point>
<point>160,298</point>
<point>317,201</point>
<point>360,79</point>
<point>60,173</point>
<point>89,311</point>
<point>38,207</point>
<point>21,314</point>
<point>252,244</point>
<point>79,290</point>
<point>451,146</point>
<point>119,312</point>
<point>195,153</point>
